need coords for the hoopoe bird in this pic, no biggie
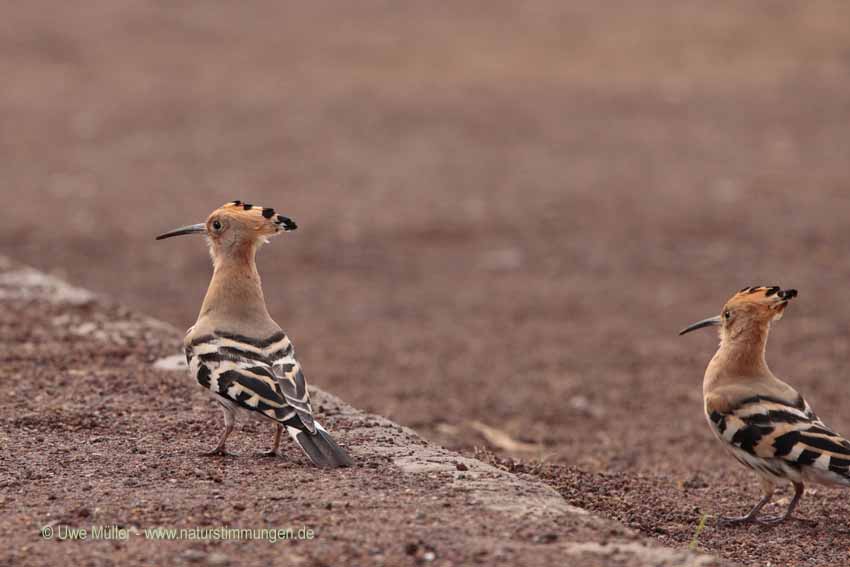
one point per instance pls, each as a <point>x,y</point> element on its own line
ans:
<point>236,351</point>
<point>762,421</point>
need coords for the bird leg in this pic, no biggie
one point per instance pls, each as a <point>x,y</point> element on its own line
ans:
<point>749,517</point>
<point>778,519</point>
<point>228,427</point>
<point>767,491</point>
<point>273,452</point>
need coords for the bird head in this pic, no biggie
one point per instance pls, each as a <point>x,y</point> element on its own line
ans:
<point>752,307</point>
<point>237,223</point>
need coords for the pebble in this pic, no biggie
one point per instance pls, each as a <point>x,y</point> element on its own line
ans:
<point>193,555</point>
<point>218,559</point>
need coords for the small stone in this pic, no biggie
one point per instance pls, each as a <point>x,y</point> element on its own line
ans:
<point>193,555</point>
<point>218,559</point>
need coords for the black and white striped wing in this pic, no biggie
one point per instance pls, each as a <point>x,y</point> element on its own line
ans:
<point>294,387</point>
<point>783,440</point>
<point>239,372</point>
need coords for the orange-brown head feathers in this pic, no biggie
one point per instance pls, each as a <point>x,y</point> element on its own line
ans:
<point>751,308</point>
<point>237,223</point>
<point>760,302</point>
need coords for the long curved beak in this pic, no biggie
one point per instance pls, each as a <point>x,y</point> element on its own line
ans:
<point>710,322</point>
<point>191,229</point>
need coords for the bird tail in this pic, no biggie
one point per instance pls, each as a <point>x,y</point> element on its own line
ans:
<point>320,447</point>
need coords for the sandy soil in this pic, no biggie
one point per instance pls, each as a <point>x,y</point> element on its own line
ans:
<point>506,213</point>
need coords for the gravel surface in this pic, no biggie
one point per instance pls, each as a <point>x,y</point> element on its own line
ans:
<point>101,438</point>
<point>506,213</point>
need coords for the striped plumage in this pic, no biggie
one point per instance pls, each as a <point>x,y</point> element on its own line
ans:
<point>236,351</point>
<point>762,421</point>
<point>783,440</point>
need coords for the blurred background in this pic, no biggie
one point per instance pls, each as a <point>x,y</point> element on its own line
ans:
<point>506,211</point>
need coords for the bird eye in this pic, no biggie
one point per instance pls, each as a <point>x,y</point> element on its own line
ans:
<point>216,225</point>
<point>727,314</point>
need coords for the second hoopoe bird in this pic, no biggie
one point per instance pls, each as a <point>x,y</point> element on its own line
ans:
<point>762,421</point>
<point>236,351</point>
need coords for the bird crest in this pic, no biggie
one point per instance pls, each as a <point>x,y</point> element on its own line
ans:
<point>770,300</point>
<point>262,219</point>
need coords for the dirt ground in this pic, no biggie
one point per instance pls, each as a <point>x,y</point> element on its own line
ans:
<point>98,440</point>
<point>506,213</point>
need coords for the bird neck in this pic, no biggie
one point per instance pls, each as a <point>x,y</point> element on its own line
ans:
<point>235,294</point>
<point>740,358</point>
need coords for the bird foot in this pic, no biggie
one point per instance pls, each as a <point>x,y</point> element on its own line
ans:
<point>271,453</point>
<point>762,520</point>
<point>771,520</point>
